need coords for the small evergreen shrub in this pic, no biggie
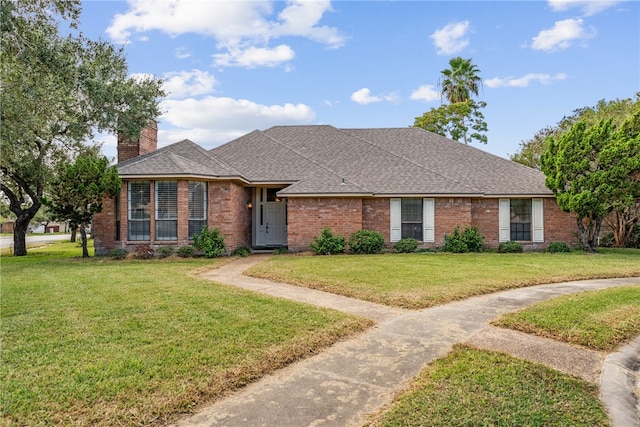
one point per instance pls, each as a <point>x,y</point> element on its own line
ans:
<point>186,251</point>
<point>327,243</point>
<point>281,251</point>
<point>558,247</point>
<point>607,240</point>
<point>241,251</point>
<point>469,240</point>
<point>144,252</point>
<point>165,252</point>
<point>119,253</point>
<point>405,246</point>
<point>366,242</point>
<point>509,247</point>
<point>210,241</point>
<point>634,240</point>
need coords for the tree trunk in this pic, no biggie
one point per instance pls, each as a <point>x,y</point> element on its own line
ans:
<point>20,234</point>
<point>583,231</point>
<point>74,229</point>
<point>83,238</point>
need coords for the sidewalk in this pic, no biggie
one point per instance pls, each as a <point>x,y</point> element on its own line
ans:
<point>353,379</point>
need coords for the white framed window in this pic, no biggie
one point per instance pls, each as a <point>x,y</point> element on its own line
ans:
<point>412,217</point>
<point>197,207</point>
<point>521,220</point>
<point>139,211</point>
<point>166,210</point>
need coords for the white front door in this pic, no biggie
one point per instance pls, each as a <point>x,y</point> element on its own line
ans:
<point>270,218</point>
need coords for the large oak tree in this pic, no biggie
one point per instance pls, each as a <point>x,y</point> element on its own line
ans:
<point>57,89</point>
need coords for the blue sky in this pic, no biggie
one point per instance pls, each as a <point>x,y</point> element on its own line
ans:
<point>236,66</point>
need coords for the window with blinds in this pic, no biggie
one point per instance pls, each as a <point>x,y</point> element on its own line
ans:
<point>520,219</point>
<point>411,214</point>
<point>166,210</point>
<point>197,207</point>
<point>139,214</point>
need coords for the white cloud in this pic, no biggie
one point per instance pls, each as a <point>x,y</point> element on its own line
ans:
<point>182,84</point>
<point>588,7</point>
<point>213,120</point>
<point>363,96</point>
<point>255,56</point>
<point>561,36</point>
<point>451,38</point>
<point>183,53</point>
<point>524,81</point>
<point>426,93</point>
<point>242,29</point>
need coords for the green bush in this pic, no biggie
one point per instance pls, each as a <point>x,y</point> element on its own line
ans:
<point>165,251</point>
<point>469,240</point>
<point>607,240</point>
<point>558,247</point>
<point>186,251</point>
<point>366,242</point>
<point>634,240</point>
<point>210,241</point>
<point>405,246</point>
<point>327,243</point>
<point>241,251</point>
<point>119,253</point>
<point>509,247</point>
<point>281,251</point>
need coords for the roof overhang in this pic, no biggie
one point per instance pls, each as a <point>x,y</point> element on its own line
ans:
<point>186,176</point>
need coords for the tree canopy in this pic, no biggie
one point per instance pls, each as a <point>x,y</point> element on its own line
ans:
<point>461,118</point>
<point>594,169</point>
<point>58,87</point>
<point>77,191</point>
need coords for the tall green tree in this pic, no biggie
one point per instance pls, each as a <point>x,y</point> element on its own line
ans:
<point>530,151</point>
<point>461,118</point>
<point>594,169</point>
<point>58,87</point>
<point>77,192</point>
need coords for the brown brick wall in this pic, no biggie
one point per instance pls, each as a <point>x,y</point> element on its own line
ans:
<point>485,217</point>
<point>228,211</point>
<point>308,216</point>
<point>376,216</point>
<point>148,142</point>
<point>558,226</point>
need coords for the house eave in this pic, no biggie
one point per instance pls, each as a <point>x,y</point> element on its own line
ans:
<point>186,176</point>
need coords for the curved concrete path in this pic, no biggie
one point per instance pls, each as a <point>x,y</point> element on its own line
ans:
<point>353,379</point>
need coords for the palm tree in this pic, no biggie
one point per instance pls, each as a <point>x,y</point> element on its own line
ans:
<point>460,81</point>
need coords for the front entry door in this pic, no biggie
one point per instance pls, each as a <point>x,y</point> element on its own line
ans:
<point>271,218</point>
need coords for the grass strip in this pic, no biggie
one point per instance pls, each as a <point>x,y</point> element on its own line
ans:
<point>599,320</point>
<point>472,387</point>
<point>423,280</point>
<point>101,342</point>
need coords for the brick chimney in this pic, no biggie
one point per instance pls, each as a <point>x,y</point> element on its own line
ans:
<point>148,142</point>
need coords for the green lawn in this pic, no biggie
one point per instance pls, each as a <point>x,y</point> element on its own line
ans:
<point>104,342</point>
<point>473,387</point>
<point>427,279</point>
<point>600,320</point>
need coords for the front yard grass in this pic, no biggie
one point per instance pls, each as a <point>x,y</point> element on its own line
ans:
<point>101,342</point>
<point>472,387</point>
<point>599,320</point>
<point>427,279</point>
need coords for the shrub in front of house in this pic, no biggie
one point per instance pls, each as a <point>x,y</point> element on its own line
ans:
<point>366,242</point>
<point>468,240</point>
<point>327,243</point>
<point>509,247</point>
<point>119,253</point>
<point>210,241</point>
<point>607,240</point>
<point>405,246</point>
<point>164,252</point>
<point>281,251</point>
<point>241,251</point>
<point>558,247</point>
<point>186,251</point>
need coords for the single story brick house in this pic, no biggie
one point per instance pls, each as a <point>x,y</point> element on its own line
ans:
<point>279,188</point>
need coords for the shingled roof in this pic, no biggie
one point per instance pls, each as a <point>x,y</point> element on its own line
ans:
<point>323,160</point>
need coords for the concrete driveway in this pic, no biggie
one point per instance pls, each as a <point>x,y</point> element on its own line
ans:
<point>7,241</point>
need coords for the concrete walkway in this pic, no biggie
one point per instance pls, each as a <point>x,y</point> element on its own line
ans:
<point>353,379</point>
